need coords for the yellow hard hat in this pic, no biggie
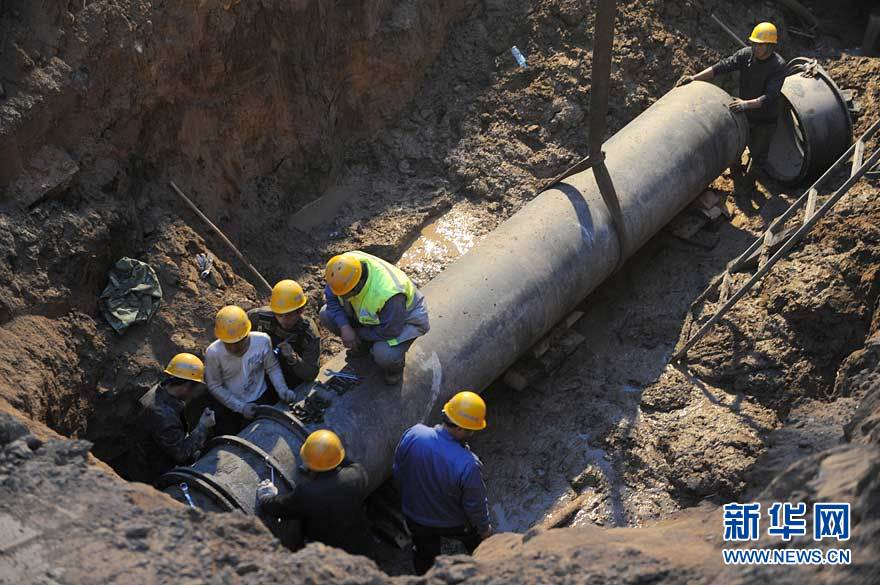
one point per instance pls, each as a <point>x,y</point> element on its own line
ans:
<point>322,451</point>
<point>765,32</point>
<point>186,366</point>
<point>232,324</point>
<point>287,296</point>
<point>343,273</point>
<point>467,410</point>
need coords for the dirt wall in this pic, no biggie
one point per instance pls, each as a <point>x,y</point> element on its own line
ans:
<point>102,101</point>
<point>221,92</point>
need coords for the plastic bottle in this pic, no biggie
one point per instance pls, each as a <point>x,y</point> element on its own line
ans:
<point>518,56</point>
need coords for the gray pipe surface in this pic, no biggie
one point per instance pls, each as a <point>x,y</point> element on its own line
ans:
<point>507,292</point>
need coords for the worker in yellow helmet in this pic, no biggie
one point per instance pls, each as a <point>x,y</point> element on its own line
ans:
<point>237,364</point>
<point>331,504</point>
<point>371,302</point>
<point>442,491</point>
<point>161,436</point>
<point>294,336</point>
<point>762,72</point>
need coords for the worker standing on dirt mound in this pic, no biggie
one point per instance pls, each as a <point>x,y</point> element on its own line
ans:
<point>762,73</point>
<point>331,505</point>
<point>237,364</point>
<point>294,337</point>
<point>163,438</point>
<point>441,481</point>
<point>371,302</point>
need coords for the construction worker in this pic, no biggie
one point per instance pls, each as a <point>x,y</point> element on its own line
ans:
<point>236,366</point>
<point>331,505</point>
<point>762,73</point>
<point>371,302</point>
<point>441,481</point>
<point>162,435</point>
<point>294,337</point>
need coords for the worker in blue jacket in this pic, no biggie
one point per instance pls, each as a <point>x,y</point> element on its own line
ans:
<point>441,481</point>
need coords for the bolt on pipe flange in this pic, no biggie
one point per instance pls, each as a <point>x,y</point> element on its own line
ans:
<point>170,484</point>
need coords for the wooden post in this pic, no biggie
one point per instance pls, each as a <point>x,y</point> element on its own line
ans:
<point>222,236</point>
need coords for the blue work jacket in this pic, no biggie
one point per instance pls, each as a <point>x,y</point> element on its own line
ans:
<point>441,480</point>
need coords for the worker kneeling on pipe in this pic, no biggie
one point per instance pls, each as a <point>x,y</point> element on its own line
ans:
<point>331,505</point>
<point>237,364</point>
<point>295,338</point>
<point>371,302</point>
<point>761,75</point>
<point>162,438</point>
<point>441,481</point>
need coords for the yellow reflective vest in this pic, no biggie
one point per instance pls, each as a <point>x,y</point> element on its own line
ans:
<point>384,280</point>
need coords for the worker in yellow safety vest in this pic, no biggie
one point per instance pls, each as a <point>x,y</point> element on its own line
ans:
<point>370,302</point>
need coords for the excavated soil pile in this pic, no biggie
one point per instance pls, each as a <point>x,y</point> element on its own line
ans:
<point>309,128</point>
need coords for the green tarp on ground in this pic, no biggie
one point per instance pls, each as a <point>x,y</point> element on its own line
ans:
<point>132,295</point>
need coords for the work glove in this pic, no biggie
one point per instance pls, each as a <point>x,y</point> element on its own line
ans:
<point>286,351</point>
<point>265,490</point>
<point>249,410</point>
<point>288,396</point>
<point>207,419</point>
<point>738,106</point>
<point>684,80</point>
<point>205,263</point>
<point>349,337</point>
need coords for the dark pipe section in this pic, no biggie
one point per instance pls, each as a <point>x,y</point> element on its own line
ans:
<point>225,477</point>
<point>814,128</point>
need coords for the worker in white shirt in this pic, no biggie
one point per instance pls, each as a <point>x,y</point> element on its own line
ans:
<point>236,366</point>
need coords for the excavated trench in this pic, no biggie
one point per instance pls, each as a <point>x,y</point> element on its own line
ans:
<point>419,169</point>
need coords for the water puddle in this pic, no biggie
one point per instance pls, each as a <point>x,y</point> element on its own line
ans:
<point>441,242</point>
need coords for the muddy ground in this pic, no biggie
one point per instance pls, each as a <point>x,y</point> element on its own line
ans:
<point>405,128</point>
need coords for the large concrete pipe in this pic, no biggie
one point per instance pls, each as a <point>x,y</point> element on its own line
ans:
<point>501,297</point>
<point>814,127</point>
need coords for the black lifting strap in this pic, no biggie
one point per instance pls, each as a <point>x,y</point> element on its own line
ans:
<point>603,35</point>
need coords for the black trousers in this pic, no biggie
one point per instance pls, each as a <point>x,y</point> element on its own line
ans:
<point>230,422</point>
<point>427,541</point>
<point>760,137</point>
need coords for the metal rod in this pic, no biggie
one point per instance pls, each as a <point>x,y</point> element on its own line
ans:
<point>223,237</point>
<point>778,255</point>
<point>732,34</point>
